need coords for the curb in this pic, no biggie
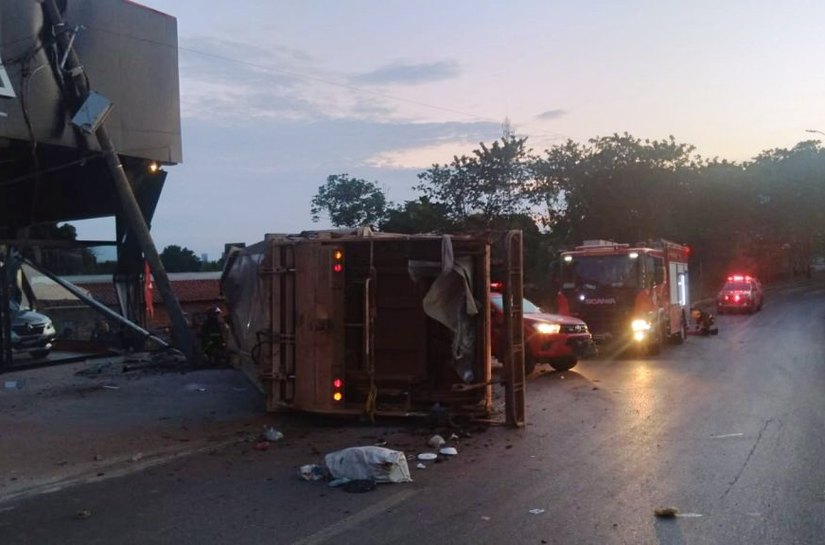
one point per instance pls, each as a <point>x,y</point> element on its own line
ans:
<point>118,468</point>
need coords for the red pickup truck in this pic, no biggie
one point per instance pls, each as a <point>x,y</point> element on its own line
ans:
<point>548,338</point>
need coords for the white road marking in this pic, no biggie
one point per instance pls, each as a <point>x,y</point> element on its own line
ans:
<point>358,518</point>
<point>727,435</point>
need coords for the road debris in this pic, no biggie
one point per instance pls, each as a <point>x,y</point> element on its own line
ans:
<point>376,463</point>
<point>448,451</point>
<point>110,387</point>
<point>666,512</point>
<point>436,442</point>
<point>727,435</point>
<point>312,472</point>
<point>261,446</point>
<point>358,486</point>
<point>485,518</point>
<point>83,514</point>
<point>536,511</point>
<point>271,434</point>
<point>427,456</point>
<point>137,457</point>
<point>421,466</point>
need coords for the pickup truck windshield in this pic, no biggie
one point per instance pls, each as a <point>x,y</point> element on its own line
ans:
<point>526,306</point>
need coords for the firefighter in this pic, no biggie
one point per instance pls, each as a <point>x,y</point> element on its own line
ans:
<point>705,323</point>
<point>213,345</point>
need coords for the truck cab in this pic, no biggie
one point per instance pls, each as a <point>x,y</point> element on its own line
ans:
<point>629,296</point>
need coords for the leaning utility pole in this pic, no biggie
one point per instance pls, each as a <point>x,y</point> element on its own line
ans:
<point>181,334</point>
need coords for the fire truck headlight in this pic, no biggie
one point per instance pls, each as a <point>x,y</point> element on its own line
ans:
<point>638,336</point>
<point>547,329</point>
<point>640,326</point>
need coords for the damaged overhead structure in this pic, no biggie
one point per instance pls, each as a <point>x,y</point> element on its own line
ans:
<point>89,113</point>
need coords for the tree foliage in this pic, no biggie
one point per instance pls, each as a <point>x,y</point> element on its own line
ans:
<point>349,202</point>
<point>177,259</point>
<point>489,184</point>
<point>762,216</point>
<point>418,216</point>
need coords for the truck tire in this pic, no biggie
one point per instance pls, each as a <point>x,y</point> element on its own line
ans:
<point>654,345</point>
<point>680,336</point>
<point>529,363</point>
<point>564,364</point>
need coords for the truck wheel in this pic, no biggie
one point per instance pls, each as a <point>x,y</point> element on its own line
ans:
<point>564,364</point>
<point>680,336</point>
<point>654,345</point>
<point>529,363</point>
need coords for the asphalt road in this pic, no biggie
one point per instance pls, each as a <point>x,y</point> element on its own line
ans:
<point>727,429</point>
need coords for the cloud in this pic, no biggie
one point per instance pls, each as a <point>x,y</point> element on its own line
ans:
<point>422,157</point>
<point>410,74</point>
<point>552,114</point>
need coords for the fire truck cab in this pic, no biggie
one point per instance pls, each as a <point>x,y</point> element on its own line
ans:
<point>633,296</point>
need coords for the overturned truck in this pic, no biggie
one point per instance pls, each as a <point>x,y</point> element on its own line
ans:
<point>356,322</point>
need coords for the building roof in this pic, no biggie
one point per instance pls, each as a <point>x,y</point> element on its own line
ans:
<point>188,287</point>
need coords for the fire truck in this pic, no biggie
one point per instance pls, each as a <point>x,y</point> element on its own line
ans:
<point>630,296</point>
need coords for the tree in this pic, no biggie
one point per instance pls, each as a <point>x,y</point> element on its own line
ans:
<point>488,184</point>
<point>61,260</point>
<point>419,216</point>
<point>349,202</point>
<point>617,187</point>
<point>177,259</point>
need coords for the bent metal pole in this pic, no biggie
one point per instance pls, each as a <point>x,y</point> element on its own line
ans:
<point>181,334</point>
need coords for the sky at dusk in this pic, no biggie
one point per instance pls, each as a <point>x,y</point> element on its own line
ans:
<point>276,96</point>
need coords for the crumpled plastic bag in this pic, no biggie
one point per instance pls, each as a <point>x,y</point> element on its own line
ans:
<point>380,464</point>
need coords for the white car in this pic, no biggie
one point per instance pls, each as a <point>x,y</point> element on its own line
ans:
<point>31,332</point>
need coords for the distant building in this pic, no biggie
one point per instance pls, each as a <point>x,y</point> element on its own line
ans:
<point>196,292</point>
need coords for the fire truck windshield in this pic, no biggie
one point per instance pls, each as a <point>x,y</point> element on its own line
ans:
<point>613,271</point>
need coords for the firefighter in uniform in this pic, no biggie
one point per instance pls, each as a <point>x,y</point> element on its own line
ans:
<point>213,345</point>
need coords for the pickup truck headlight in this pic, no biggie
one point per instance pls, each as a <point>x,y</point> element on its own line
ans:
<point>547,329</point>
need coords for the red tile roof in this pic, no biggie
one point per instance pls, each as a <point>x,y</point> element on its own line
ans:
<point>187,290</point>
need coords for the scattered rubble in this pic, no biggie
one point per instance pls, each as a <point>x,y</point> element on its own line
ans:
<point>665,512</point>
<point>436,442</point>
<point>312,472</point>
<point>271,434</point>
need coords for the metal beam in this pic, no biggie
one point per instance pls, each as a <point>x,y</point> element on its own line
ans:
<point>97,305</point>
<point>181,334</point>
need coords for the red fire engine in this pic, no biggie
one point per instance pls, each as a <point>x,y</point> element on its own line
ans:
<point>630,295</point>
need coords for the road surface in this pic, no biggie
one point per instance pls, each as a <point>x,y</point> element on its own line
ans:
<point>727,429</point>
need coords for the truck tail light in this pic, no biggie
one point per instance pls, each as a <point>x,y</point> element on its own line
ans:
<point>337,390</point>
<point>338,261</point>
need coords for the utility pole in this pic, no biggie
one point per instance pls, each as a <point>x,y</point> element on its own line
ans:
<point>181,335</point>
